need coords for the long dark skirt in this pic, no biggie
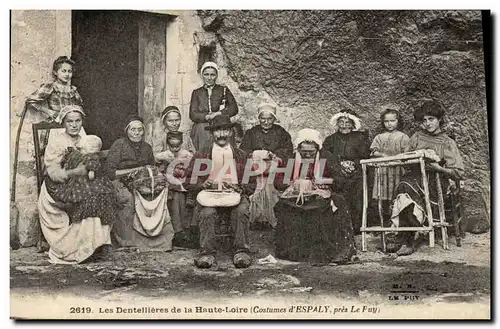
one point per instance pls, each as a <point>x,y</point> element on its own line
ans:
<point>351,188</point>
<point>411,184</point>
<point>313,232</point>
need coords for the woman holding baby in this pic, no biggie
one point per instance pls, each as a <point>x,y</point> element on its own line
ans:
<point>75,225</point>
<point>173,156</point>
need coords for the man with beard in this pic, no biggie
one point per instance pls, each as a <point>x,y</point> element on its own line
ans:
<point>221,165</point>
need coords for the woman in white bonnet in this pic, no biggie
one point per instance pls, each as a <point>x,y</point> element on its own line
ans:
<point>313,222</point>
<point>207,102</point>
<point>70,242</point>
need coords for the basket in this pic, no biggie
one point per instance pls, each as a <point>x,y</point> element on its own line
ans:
<point>218,198</point>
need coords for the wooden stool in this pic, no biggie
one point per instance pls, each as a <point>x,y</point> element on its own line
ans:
<point>224,230</point>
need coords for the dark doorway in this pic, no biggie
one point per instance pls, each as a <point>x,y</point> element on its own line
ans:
<point>105,46</point>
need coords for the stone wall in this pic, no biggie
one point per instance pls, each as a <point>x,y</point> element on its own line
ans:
<point>309,63</point>
<point>185,37</point>
<point>314,63</point>
<point>37,38</point>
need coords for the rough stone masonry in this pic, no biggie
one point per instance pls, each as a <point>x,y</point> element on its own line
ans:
<point>314,63</point>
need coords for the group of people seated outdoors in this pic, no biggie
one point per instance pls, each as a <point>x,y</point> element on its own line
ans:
<point>174,194</point>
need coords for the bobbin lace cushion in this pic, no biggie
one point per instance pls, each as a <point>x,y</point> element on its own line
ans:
<point>147,180</point>
<point>305,189</point>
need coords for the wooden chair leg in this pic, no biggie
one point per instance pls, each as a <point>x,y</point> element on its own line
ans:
<point>430,217</point>
<point>455,214</point>
<point>380,212</point>
<point>442,219</point>
<point>365,206</point>
<point>458,233</point>
<point>42,245</point>
<point>462,223</point>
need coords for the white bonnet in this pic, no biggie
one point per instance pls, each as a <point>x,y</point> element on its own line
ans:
<point>267,108</point>
<point>68,109</point>
<point>355,119</point>
<point>308,135</point>
<point>209,64</point>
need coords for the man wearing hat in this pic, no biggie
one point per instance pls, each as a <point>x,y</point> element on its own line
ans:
<point>270,137</point>
<point>208,170</point>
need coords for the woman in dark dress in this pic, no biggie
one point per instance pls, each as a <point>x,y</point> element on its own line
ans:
<point>348,146</point>
<point>313,223</point>
<point>271,141</point>
<point>141,222</point>
<point>268,135</point>
<point>207,102</point>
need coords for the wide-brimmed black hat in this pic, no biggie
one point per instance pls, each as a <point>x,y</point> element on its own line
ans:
<point>220,121</point>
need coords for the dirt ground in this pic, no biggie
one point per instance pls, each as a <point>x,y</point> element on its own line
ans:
<point>459,276</point>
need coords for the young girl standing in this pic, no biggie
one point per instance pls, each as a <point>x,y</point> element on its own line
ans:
<point>51,97</point>
<point>390,142</point>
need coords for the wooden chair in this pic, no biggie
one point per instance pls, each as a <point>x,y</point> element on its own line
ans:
<point>405,159</point>
<point>41,133</point>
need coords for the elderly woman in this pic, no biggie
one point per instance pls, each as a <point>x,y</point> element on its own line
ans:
<point>74,241</point>
<point>272,142</point>
<point>141,222</point>
<point>185,229</point>
<point>348,146</point>
<point>208,102</point>
<point>313,221</point>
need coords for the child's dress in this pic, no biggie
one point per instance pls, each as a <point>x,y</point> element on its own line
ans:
<point>177,173</point>
<point>390,143</point>
<point>83,196</point>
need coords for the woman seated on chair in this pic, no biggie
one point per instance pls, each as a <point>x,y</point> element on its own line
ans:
<point>174,145</point>
<point>71,239</point>
<point>409,207</point>
<point>143,220</point>
<point>313,222</point>
<point>264,142</point>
